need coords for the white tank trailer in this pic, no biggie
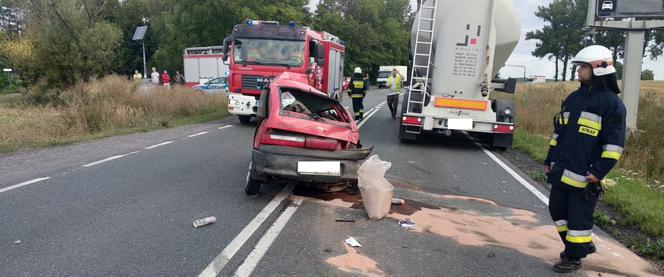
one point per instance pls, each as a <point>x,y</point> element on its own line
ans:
<point>472,40</point>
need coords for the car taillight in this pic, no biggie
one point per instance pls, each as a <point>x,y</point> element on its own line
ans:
<point>498,128</point>
<point>409,120</point>
<point>283,139</point>
<point>321,143</point>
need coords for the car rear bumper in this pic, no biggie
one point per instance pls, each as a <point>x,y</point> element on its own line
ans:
<point>279,162</point>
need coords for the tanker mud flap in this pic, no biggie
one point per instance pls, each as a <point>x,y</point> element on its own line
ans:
<point>501,141</point>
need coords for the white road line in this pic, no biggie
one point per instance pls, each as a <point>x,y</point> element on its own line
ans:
<point>103,161</point>
<point>250,263</point>
<point>366,118</point>
<point>227,254</point>
<point>197,134</point>
<point>23,184</point>
<point>516,176</point>
<point>224,127</point>
<point>157,145</point>
<point>135,152</point>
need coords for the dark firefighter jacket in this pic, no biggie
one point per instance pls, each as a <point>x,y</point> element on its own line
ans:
<point>589,136</point>
<point>357,86</point>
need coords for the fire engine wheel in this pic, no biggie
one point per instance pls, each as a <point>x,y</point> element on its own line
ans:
<point>252,186</point>
<point>244,119</point>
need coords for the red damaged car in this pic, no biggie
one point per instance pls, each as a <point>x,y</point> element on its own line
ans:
<point>303,136</point>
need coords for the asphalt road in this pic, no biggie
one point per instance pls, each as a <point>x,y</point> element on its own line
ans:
<point>124,206</point>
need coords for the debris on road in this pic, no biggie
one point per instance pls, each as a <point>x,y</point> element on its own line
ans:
<point>376,191</point>
<point>204,221</point>
<point>407,223</point>
<point>17,242</point>
<point>398,201</point>
<point>345,220</point>
<point>353,242</point>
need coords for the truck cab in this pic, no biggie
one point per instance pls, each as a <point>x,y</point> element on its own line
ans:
<point>260,50</point>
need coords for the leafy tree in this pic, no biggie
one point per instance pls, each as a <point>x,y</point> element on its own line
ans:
<point>64,41</point>
<point>376,32</point>
<point>561,38</point>
<point>647,75</point>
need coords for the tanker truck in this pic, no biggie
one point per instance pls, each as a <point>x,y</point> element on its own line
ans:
<point>457,47</point>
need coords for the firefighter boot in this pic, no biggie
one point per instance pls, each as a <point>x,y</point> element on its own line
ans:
<point>591,249</point>
<point>567,265</point>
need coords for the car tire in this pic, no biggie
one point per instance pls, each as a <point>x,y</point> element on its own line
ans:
<point>252,186</point>
<point>244,119</point>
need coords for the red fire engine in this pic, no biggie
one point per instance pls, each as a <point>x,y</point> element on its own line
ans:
<point>257,51</point>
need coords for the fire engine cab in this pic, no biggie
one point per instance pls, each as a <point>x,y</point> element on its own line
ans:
<point>257,51</point>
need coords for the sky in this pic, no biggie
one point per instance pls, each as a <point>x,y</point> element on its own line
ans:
<point>522,54</point>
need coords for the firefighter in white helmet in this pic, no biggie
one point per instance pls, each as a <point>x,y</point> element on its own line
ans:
<point>358,88</point>
<point>588,140</point>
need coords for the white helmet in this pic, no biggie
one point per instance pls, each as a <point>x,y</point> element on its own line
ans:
<point>598,57</point>
<point>358,70</point>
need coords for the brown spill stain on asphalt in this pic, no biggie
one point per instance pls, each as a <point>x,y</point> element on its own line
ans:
<point>506,227</point>
<point>354,263</point>
<point>338,199</point>
<point>475,229</point>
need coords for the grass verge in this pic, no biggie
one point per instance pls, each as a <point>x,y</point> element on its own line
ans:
<point>102,108</point>
<point>639,207</point>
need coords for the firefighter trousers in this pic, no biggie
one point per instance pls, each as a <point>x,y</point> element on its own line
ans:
<point>358,107</point>
<point>573,217</point>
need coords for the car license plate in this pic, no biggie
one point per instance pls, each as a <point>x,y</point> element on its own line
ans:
<point>323,168</point>
<point>460,123</point>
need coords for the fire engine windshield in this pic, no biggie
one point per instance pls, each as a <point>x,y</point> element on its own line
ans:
<point>269,52</point>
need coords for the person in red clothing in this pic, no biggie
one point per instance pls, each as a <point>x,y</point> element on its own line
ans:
<point>166,79</point>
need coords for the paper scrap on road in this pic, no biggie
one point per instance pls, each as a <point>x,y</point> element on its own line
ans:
<point>353,242</point>
<point>407,223</point>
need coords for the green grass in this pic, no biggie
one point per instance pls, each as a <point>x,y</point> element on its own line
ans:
<point>533,145</point>
<point>638,204</point>
<point>161,124</point>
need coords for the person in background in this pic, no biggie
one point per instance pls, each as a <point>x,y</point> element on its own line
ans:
<point>179,78</point>
<point>588,140</point>
<point>166,79</point>
<point>393,90</point>
<point>154,77</point>
<point>358,88</point>
<point>137,76</point>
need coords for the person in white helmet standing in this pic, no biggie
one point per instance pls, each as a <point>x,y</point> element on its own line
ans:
<point>588,140</point>
<point>358,88</point>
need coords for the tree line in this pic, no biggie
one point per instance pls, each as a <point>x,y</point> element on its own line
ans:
<point>61,42</point>
<point>563,36</point>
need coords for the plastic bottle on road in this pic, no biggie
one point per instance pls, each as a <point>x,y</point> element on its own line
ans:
<point>204,221</point>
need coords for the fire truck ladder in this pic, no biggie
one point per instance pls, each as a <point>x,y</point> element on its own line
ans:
<point>419,79</point>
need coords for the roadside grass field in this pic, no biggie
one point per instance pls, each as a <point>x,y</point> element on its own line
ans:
<point>102,108</point>
<point>638,195</point>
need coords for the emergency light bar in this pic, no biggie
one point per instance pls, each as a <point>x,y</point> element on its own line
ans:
<point>261,22</point>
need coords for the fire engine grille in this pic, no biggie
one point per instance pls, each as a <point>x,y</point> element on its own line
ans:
<point>255,82</point>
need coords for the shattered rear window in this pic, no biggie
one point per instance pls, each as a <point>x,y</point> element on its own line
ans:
<point>307,103</point>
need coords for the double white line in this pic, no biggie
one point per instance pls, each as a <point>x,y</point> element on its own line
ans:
<point>251,262</point>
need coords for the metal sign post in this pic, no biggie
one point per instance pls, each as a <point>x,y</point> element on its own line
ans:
<point>634,17</point>
<point>139,35</point>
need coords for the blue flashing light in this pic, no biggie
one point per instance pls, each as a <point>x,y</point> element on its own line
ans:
<point>250,22</point>
<point>291,24</point>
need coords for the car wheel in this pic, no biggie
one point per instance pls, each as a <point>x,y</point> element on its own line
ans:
<point>244,119</point>
<point>253,186</point>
